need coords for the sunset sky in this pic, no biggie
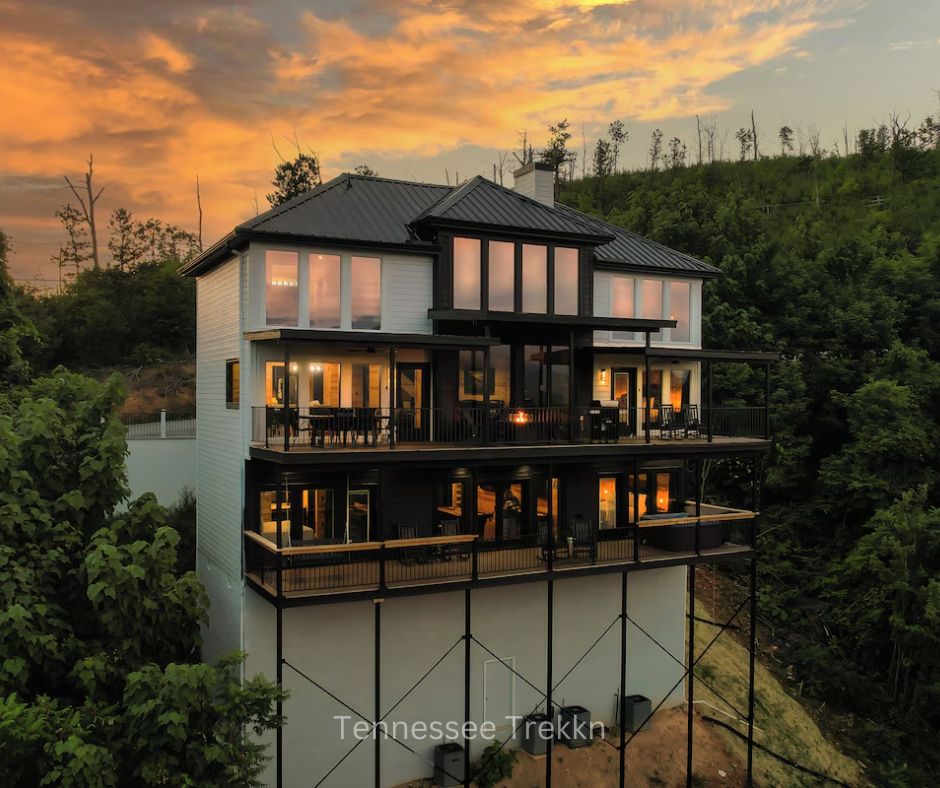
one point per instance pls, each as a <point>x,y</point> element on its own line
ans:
<point>161,91</point>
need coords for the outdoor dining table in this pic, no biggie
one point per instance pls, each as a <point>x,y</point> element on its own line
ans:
<point>318,426</point>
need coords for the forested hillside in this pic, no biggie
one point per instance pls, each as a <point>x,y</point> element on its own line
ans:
<point>836,263</point>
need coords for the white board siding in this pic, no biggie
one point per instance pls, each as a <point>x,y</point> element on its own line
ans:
<point>219,445</point>
<point>510,620</point>
<point>406,295</point>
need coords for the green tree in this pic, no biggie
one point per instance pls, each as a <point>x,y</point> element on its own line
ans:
<point>17,334</point>
<point>294,177</point>
<point>99,674</point>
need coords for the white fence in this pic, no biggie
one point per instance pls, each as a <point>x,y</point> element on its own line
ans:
<point>161,454</point>
<point>165,424</point>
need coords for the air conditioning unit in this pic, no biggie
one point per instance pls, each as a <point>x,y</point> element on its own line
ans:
<point>536,731</point>
<point>573,726</point>
<point>448,764</point>
<point>636,713</point>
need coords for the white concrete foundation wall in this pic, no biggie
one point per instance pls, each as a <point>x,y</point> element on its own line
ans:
<point>164,467</point>
<point>334,645</point>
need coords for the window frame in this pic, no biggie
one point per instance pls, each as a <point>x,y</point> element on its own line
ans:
<point>232,391</point>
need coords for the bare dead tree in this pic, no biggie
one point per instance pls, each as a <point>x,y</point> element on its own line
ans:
<point>87,204</point>
<point>199,211</point>
<point>813,133</point>
<point>526,154</point>
<point>845,137</point>
<point>583,151</point>
<point>754,136</point>
<point>698,130</point>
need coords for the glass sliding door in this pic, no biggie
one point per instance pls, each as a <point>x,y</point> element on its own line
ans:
<point>623,390</point>
<point>359,515</point>
<point>413,398</point>
<point>607,502</point>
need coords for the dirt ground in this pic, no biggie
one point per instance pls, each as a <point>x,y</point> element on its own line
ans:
<point>656,757</point>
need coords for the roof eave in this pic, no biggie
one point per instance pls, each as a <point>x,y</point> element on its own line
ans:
<point>454,224</point>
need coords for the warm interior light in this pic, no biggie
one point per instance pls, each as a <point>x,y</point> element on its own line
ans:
<point>662,497</point>
<point>293,366</point>
<point>520,417</point>
<point>314,367</point>
<point>603,376</point>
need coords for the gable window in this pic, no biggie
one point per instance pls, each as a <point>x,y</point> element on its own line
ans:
<point>566,281</point>
<point>621,303</point>
<point>534,278</point>
<point>467,278</point>
<point>366,292</point>
<point>680,300</point>
<point>324,290</point>
<point>281,305</point>
<point>232,383</point>
<point>651,294</point>
<point>502,276</point>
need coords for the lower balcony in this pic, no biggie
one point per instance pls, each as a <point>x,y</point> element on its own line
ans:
<point>318,572</point>
<point>318,429</point>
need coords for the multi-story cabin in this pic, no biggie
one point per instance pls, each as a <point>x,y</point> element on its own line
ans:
<point>454,421</point>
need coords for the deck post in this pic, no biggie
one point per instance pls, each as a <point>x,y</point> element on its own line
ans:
<point>467,637</point>
<point>286,404</point>
<point>474,562</point>
<point>690,676</point>
<point>382,557</point>
<point>571,386</point>
<point>378,694</point>
<point>767,401</point>
<point>646,387</point>
<point>549,642</point>
<point>699,491</point>
<point>392,391</point>
<point>636,510</point>
<point>708,366</point>
<point>752,647</point>
<point>486,395</point>
<point>550,536</point>
<point>623,679</point>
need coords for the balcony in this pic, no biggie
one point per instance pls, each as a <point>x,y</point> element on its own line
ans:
<point>317,429</point>
<point>317,572</point>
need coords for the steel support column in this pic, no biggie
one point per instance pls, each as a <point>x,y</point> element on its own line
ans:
<point>691,676</point>
<point>767,401</point>
<point>549,649</point>
<point>636,510</point>
<point>623,679</point>
<point>486,394</point>
<point>708,401</point>
<point>279,618</point>
<point>752,648</point>
<point>571,390</point>
<point>378,692</point>
<point>467,639</point>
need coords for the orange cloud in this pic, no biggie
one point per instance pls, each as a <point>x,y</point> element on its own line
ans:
<point>170,92</point>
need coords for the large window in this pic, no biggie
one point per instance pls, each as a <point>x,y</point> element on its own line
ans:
<point>275,384</point>
<point>534,278</point>
<point>651,294</point>
<point>324,291</point>
<point>680,304</point>
<point>281,305</point>
<point>470,385</point>
<point>467,277</point>
<point>545,375</point>
<point>566,281</point>
<point>366,385</point>
<point>324,384</point>
<point>502,276</point>
<point>366,292</point>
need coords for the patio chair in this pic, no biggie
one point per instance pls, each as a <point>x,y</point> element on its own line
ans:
<point>344,422</point>
<point>693,425</point>
<point>549,550</point>
<point>448,551</point>
<point>408,556</point>
<point>668,425</point>
<point>584,538</point>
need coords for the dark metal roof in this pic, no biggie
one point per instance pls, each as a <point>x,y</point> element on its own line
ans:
<point>481,202</point>
<point>353,207</point>
<point>383,212</point>
<point>635,251</point>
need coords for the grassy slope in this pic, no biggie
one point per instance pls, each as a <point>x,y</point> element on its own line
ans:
<point>784,725</point>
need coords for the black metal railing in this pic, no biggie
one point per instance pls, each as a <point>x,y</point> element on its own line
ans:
<point>375,567</point>
<point>497,425</point>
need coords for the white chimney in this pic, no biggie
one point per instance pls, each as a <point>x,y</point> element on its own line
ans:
<point>537,180</point>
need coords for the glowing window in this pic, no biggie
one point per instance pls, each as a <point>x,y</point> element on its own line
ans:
<point>281,287</point>
<point>366,292</point>
<point>502,276</point>
<point>324,291</point>
<point>566,281</point>
<point>534,278</point>
<point>467,277</point>
<point>680,301</point>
